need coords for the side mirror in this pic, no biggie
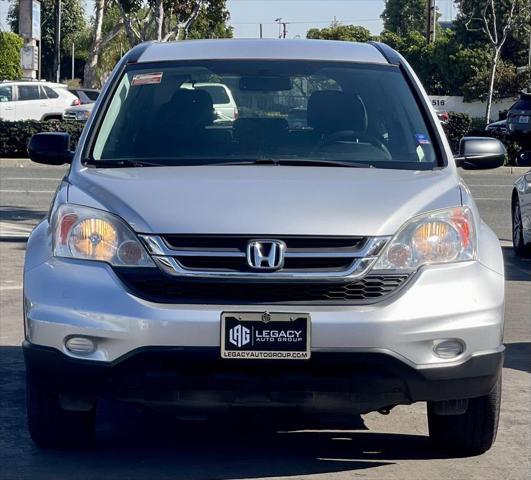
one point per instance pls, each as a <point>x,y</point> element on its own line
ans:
<point>524,159</point>
<point>479,153</point>
<point>51,148</point>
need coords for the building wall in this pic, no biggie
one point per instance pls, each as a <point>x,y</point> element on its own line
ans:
<point>474,109</point>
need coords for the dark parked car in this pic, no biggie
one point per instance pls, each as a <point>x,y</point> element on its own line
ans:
<point>85,95</point>
<point>500,126</point>
<point>519,115</point>
<point>521,209</point>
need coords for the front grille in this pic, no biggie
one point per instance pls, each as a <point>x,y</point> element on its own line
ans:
<point>154,286</point>
<point>269,257</point>
<point>239,264</point>
<point>212,242</point>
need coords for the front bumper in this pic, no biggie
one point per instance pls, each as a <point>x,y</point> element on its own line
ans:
<point>461,301</point>
<point>344,382</point>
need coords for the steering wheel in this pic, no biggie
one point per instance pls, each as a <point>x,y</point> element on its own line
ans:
<point>351,134</point>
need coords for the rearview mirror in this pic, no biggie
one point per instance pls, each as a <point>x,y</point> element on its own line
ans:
<point>51,148</point>
<point>479,153</point>
<point>524,159</point>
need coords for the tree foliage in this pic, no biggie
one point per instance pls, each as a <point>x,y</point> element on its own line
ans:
<point>165,20</point>
<point>404,16</point>
<point>495,20</point>
<point>336,31</point>
<point>10,45</point>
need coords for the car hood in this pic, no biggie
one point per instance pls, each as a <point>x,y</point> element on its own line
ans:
<point>265,200</point>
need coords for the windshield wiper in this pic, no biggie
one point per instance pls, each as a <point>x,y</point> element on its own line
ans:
<point>301,162</point>
<point>120,163</point>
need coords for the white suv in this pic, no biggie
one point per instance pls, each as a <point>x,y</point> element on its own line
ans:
<point>32,100</point>
<point>222,98</point>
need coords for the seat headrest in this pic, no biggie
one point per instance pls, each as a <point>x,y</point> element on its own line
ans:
<point>192,107</point>
<point>331,111</point>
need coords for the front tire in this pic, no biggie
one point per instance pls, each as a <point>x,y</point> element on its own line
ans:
<point>473,432</point>
<point>520,248</point>
<point>50,426</point>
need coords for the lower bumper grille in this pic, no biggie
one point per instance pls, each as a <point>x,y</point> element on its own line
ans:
<point>157,287</point>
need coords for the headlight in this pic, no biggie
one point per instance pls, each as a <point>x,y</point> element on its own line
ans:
<point>82,115</point>
<point>90,234</point>
<point>442,236</point>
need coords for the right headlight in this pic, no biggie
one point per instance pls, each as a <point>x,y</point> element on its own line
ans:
<point>442,236</point>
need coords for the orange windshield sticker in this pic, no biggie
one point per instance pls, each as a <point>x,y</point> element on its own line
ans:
<point>146,78</point>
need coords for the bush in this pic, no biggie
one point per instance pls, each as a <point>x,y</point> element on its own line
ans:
<point>478,126</point>
<point>14,136</point>
<point>10,45</point>
<point>461,125</point>
<point>457,127</point>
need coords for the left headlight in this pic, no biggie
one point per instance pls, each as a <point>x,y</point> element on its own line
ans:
<point>91,234</point>
<point>442,236</point>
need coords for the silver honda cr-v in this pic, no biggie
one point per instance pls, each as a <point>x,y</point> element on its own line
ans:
<point>317,254</point>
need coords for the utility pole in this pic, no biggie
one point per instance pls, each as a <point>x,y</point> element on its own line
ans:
<point>73,64</point>
<point>57,60</point>
<point>279,21</point>
<point>284,29</point>
<point>261,31</point>
<point>431,27</point>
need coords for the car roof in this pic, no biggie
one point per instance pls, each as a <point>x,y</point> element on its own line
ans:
<point>33,82</point>
<point>262,49</point>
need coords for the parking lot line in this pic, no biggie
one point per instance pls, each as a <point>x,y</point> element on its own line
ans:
<point>33,179</point>
<point>26,191</point>
<point>10,287</point>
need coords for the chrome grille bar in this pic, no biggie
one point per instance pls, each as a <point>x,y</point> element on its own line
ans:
<point>363,257</point>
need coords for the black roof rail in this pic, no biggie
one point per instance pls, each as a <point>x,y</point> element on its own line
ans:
<point>389,53</point>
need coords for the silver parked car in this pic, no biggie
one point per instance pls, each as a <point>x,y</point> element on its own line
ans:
<point>337,265</point>
<point>80,113</point>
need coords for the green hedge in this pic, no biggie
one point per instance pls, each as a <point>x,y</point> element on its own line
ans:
<point>461,125</point>
<point>458,126</point>
<point>14,136</point>
<point>10,45</point>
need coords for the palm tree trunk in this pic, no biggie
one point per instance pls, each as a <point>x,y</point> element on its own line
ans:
<point>491,85</point>
<point>159,18</point>
<point>90,79</point>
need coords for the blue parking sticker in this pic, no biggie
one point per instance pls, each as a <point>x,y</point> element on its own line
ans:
<point>422,139</point>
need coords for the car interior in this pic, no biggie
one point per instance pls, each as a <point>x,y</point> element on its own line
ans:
<point>334,113</point>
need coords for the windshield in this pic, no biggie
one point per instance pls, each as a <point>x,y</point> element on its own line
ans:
<point>284,110</point>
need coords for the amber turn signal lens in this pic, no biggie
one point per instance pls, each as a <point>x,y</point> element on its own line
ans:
<point>94,238</point>
<point>436,241</point>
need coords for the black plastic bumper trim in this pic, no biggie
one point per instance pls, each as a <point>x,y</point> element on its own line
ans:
<point>364,372</point>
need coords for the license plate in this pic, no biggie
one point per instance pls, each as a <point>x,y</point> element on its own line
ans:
<point>264,335</point>
<point>523,119</point>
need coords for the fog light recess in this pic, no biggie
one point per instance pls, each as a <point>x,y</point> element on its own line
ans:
<point>80,345</point>
<point>448,349</point>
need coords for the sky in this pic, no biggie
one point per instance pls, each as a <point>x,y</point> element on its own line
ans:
<point>246,15</point>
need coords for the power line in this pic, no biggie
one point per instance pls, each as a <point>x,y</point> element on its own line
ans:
<point>307,22</point>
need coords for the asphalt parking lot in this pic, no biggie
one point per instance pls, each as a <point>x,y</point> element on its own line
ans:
<point>134,445</point>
